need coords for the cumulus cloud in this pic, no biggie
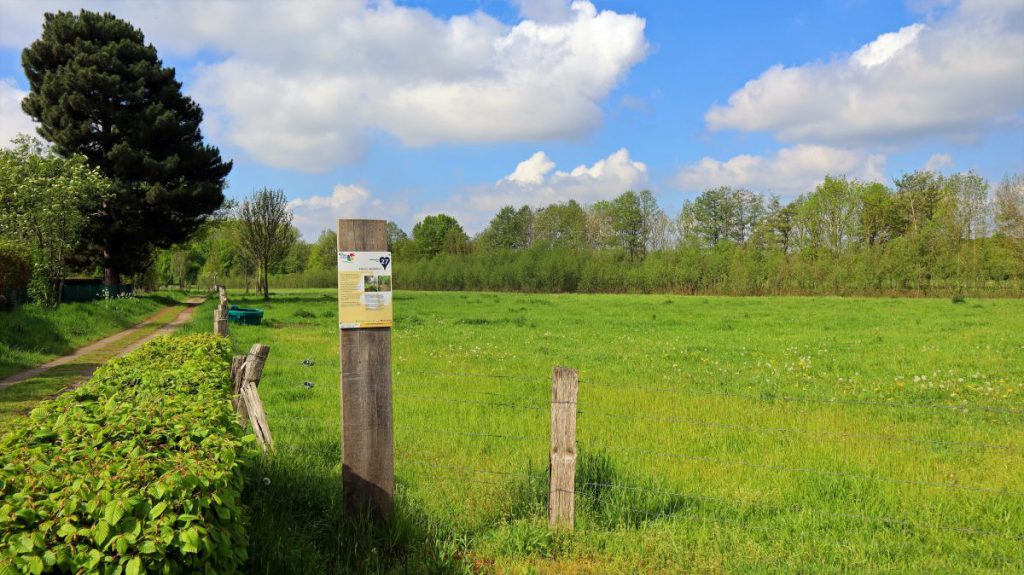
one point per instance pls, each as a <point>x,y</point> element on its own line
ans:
<point>536,182</point>
<point>787,172</point>
<point>957,77</point>
<point>316,213</point>
<point>307,88</point>
<point>12,120</point>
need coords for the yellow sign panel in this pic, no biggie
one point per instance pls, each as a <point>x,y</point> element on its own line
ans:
<point>364,289</point>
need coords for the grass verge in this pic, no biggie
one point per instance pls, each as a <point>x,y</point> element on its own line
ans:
<point>18,400</point>
<point>31,335</point>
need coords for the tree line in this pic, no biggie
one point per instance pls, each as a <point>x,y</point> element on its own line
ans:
<point>926,234</point>
<point>126,186</point>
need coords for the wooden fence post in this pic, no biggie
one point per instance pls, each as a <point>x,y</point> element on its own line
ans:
<point>250,372</point>
<point>368,476</point>
<point>561,497</point>
<point>220,321</point>
<point>220,315</point>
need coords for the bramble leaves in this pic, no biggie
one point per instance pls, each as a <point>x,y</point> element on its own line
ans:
<point>135,472</point>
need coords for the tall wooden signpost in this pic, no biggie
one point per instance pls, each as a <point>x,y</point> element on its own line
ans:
<point>364,311</point>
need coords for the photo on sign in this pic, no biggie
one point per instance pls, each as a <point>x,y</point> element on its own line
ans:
<point>375,283</point>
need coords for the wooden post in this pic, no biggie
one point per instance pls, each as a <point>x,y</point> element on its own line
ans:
<point>250,397</point>
<point>368,476</point>
<point>561,497</point>
<point>220,321</point>
<point>237,367</point>
<point>251,372</point>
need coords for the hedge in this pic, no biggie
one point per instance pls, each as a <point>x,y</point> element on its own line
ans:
<point>137,471</point>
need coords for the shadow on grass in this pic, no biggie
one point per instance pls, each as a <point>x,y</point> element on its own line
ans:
<point>298,526</point>
<point>607,497</point>
<point>21,330</point>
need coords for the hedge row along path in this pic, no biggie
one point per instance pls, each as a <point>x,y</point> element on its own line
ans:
<point>67,372</point>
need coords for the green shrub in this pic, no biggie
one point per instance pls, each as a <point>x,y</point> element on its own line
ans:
<point>15,273</point>
<point>137,471</point>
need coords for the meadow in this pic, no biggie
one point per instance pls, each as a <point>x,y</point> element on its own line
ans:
<point>716,434</point>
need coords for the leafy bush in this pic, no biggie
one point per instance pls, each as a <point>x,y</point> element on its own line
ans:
<point>15,272</point>
<point>137,471</point>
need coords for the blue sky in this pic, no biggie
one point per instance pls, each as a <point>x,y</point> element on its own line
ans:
<point>399,110</point>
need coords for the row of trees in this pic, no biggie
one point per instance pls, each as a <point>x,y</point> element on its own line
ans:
<point>927,233</point>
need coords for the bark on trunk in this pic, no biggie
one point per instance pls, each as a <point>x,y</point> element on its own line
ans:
<point>111,276</point>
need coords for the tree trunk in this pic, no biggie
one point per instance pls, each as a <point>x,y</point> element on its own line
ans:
<point>266,284</point>
<point>111,276</point>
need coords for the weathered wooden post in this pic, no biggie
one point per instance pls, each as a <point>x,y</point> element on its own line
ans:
<point>249,405</point>
<point>220,315</point>
<point>561,497</point>
<point>220,321</point>
<point>364,324</point>
<point>250,370</point>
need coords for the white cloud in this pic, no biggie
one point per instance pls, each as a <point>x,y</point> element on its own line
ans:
<point>787,172</point>
<point>957,77</point>
<point>535,182</point>
<point>12,120</point>
<point>938,161</point>
<point>315,213</point>
<point>544,10</point>
<point>307,87</point>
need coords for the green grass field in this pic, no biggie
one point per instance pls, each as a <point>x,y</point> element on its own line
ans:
<point>731,435</point>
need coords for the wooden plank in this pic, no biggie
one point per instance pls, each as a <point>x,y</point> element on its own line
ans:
<point>237,365</point>
<point>220,321</point>
<point>368,475</point>
<point>251,373</point>
<point>561,497</point>
<point>257,416</point>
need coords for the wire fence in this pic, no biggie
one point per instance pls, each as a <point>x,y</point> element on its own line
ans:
<point>591,415</point>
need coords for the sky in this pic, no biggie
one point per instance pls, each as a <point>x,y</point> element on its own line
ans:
<point>398,110</point>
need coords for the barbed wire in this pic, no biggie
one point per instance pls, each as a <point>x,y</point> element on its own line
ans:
<point>464,374</point>
<point>751,504</point>
<point>427,431</point>
<point>808,399</point>
<point>433,464</point>
<point>491,394</point>
<point>799,509</point>
<point>811,470</point>
<point>873,438</point>
<point>510,405</point>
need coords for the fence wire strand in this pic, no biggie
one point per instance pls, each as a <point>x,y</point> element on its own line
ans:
<point>428,431</point>
<point>869,438</point>
<point>811,470</point>
<point>472,375</point>
<point>807,399</point>
<point>509,405</point>
<point>753,504</point>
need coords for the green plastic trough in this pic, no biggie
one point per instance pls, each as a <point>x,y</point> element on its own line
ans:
<point>245,315</point>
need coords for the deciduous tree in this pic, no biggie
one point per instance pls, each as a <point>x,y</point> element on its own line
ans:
<point>46,201</point>
<point>265,233</point>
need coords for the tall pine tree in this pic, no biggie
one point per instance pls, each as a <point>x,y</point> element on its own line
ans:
<point>99,90</point>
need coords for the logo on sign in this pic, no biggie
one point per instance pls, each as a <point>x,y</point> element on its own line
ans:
<point>347,258</point>
<point>384,261</point>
